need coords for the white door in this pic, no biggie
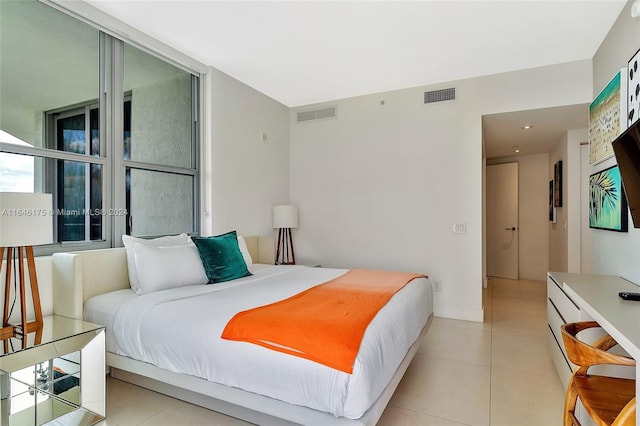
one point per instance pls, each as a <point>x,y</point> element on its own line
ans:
<point>502,220</point>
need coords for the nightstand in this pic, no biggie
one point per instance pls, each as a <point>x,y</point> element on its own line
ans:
<point>60,374</point>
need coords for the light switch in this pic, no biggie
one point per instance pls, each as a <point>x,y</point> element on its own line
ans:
<point>460,228</point>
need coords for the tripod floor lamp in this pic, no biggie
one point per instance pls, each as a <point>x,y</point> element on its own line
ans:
<point>25,221</point>
<point>285,217</point>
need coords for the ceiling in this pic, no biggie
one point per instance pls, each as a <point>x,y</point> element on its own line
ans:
<point>304,52</point>
<point>503,133</point>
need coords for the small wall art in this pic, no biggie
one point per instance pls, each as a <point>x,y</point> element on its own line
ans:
<point>552,209</point>
<point>607,118</point>
<point>607,202</point>
<point>557,184</point>
<point>633,89</point>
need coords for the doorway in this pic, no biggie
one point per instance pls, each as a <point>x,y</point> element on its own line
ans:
<point>502,221</point>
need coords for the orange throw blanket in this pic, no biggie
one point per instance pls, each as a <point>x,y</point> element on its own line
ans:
<point>325,323</point>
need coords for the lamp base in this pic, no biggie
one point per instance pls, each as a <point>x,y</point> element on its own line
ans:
<point>24,327</point>
<point>285,254</point>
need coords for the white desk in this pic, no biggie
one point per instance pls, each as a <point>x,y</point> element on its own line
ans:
<point>598,296</point>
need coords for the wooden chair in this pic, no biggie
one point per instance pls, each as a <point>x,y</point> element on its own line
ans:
<point>609,401</point>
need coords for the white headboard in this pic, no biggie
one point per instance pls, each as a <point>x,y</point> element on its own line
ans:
<point>80,275</point>
<point>261,249</point>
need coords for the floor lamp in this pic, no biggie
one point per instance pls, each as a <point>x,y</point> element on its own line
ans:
<point>284,218</point>
<point>25,221</point>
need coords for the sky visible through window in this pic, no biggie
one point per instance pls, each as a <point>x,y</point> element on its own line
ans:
<point>16,171</point>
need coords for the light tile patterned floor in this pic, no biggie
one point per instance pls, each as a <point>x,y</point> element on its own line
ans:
<point>496,373</point>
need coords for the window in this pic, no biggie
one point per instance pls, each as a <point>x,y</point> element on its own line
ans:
<point>110,130</point>
<point>160,145</point>
<point>79,185</point>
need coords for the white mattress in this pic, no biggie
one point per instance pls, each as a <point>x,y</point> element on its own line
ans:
<point>179,330</point>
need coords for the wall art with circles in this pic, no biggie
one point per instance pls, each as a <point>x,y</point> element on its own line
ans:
<point>633,89</point>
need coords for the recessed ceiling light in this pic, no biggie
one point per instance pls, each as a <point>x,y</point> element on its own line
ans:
<point>516,149</point>
<point>528,126</point>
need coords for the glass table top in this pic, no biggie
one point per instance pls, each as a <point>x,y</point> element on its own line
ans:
<point>59,335</point>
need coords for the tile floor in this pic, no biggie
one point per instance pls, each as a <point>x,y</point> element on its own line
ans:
<point>496,373</point>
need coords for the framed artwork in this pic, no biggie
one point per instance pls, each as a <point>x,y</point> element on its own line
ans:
<point>557,184</point>
<point>633,89</point>
<point>552,209</point>
<point>607,118</point>
<point>607,202</point>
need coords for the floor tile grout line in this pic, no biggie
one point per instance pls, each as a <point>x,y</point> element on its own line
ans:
<point>446,358</point>
<point>430,415</point>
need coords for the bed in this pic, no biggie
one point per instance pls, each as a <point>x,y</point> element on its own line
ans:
<point>239,379</point>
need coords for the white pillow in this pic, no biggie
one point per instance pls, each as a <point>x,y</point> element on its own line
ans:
<point>129,242</point>
<point>161,268</point>
<point>244,250</point>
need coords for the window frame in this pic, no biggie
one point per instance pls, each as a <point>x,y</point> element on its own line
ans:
<point>111,155</point>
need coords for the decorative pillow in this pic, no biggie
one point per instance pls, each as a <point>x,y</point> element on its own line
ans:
<point>242,244</point>
<point>221,257</point>
<point>161,268</point>
<point>245,251</point>
<point>129,242</point>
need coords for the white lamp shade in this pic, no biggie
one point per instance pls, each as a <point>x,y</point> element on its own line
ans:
<point>25,219</point>
<point>285,216</point>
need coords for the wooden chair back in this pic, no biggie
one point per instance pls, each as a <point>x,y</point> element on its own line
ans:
<point>586,355</point>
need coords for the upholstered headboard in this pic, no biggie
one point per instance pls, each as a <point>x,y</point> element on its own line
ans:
<point>78,276</point>
<point>261,249</point>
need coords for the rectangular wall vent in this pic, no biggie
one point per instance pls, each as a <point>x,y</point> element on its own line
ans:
<point>441,95</point>
<point>317,114</point>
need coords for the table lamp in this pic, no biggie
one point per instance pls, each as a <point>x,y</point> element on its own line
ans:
<point>25,221</point>
<point>285,217</point>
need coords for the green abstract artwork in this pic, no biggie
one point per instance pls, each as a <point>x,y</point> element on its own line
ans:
<point>607,202</point>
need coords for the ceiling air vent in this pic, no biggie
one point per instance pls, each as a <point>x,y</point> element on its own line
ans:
<point>440,95</point>
<point>317,114</point>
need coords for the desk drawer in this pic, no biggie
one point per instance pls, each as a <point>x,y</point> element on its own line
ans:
<point>559,361</point>
<point>564,306</point>
<point>555,322</point>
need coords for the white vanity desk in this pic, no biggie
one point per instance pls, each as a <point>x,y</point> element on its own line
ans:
<point>597,297</point>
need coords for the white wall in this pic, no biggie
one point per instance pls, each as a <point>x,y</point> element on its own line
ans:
<point>533,221</point>
<point>243,176</point>
<point>586,246</point>
<point>613,252</point>
<point>558,252</point>
<point>381,186</point>
<point>534,217</point>
<point>565,235</point>
<point>573,198</point>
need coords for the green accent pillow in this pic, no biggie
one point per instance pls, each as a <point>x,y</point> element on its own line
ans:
<point>221,257</point>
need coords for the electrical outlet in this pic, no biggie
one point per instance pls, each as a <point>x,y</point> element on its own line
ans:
<point>437,285</point>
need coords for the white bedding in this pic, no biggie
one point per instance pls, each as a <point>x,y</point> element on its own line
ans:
<point>179,330</point>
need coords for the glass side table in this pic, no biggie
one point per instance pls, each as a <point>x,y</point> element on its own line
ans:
<point>58,378</point>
